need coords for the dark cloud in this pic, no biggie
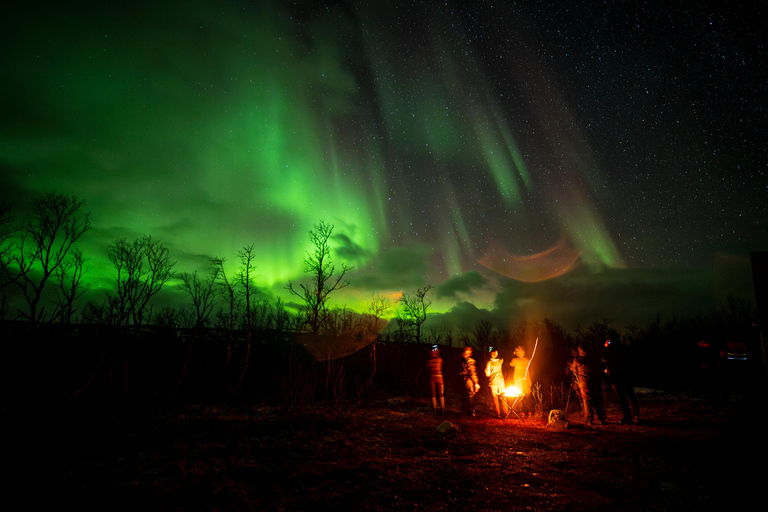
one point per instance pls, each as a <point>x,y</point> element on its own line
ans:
<point>398,268</point>
<point>350,251</point>
<point>463,316</point>
<point>625,296</point>
<point>463,283</point>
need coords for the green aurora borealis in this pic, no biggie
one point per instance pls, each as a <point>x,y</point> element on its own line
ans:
<point>433,137</point>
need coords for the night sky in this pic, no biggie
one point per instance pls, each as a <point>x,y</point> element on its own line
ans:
<point>575,160</point>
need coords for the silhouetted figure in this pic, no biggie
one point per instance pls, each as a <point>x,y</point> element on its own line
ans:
<point>471,382</point>
<point>588,371</point>
<point>522,379</point>
<point>570,369</point>
<point>436,384</point>
<point>619,372</point>
<point>494,371</point>
<point>711,367</point>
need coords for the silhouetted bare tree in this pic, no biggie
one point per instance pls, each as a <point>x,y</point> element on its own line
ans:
<point>324,278</point>
<point>442,335</point>
<point>484,333</point>
<point>142,267</point>
<point>279,318</point>
<point>7,229</point>
<point>202,292</point>
<point>227,291</point>
<point>203,295</point>
<point>595,334</point>
<point>69,286</point>
<point>56,223</point>
<point>227,317</point>
<point>173,318</point>
<point>412,310</point>
<point>378,306</point>
<point>245,280</point>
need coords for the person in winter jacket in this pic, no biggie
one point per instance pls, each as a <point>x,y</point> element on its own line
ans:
<point>494,372</point>
<point>436,384</point>
<point>471,382</point>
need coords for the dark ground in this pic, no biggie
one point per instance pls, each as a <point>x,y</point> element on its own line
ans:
<point>96,419</point>
<point>686,454</point>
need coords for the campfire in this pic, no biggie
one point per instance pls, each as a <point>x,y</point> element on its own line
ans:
<point>513,391</point>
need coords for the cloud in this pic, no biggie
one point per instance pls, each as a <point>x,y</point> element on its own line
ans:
<point>350,251</point>
<point>463,283</point>
<point>464,316</point>
<point>626,296</point>
<point>397,268</point>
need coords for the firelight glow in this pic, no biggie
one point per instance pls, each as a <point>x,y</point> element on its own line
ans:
<point>513,391</point>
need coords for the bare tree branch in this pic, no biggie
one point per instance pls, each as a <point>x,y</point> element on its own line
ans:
<point>8,229</point>
<point>202,292</point>
<point>68,286</point>
<point>46,240</point>
<point>412,311</point>
<point>379,305</point>
<point>244,278</point>
<point>142,268</point>
<point>324,281</point>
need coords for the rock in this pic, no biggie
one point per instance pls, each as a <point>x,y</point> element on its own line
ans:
<point>557,420</point>
<point>447,427</point>
<point>558,425</point>
<point>556,414</point>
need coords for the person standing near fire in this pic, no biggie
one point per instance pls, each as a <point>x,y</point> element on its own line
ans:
<point>471,381</point>
<point>435,367</point>
<point>494,370</point>
<point>522,379</point>
<point>570,369</point>
<point>588,371</point>
<point>618,372</point>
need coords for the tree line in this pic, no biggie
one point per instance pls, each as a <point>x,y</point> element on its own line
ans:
<point>40,257</point>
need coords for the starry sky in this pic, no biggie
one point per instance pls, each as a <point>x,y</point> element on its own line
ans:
<point>575,160</point>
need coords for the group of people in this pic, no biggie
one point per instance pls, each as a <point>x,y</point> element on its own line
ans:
<point>586,367</point>
<point>587,372</point>
<point>496,382</point>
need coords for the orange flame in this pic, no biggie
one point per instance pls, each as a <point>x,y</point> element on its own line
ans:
<point>513,391</point>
